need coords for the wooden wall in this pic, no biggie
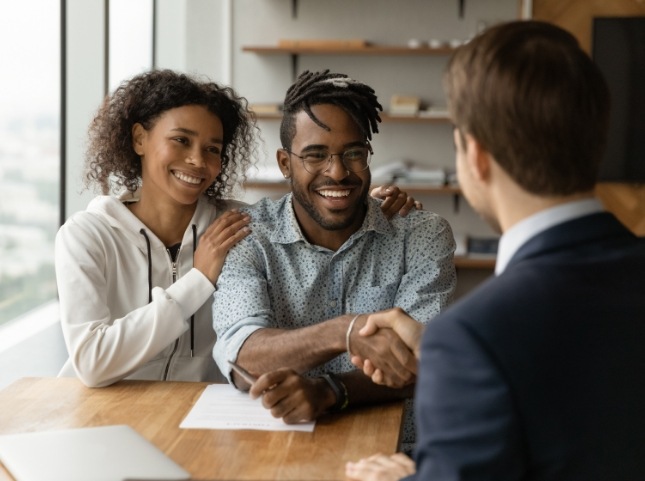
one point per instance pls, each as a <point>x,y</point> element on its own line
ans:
<point>626,201</point>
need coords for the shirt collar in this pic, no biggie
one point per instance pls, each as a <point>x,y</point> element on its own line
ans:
<point>527,228</point>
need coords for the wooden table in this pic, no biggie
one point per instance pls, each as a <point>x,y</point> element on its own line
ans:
<point>155,410</point>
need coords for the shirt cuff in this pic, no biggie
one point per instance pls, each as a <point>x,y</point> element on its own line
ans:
<point>228,347</point>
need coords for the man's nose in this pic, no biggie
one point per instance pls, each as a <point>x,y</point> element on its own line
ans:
<point>336,168</point>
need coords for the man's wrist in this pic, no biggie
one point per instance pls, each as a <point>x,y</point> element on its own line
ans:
<point>339,390</point>
<point>348,335</point>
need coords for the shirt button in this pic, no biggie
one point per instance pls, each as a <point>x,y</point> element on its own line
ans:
<point>332,303</point>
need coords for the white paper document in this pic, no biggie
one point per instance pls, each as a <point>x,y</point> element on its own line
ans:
<point>221,406</point>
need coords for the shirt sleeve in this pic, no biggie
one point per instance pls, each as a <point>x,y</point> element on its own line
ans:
<point>241,303</point>
<point>429,282</point>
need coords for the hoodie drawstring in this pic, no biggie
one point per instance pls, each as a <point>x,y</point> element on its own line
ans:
<point>145,236</point>
<point>192,318</point>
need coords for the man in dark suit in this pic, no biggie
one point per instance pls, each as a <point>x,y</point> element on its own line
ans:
<point>539,374</point>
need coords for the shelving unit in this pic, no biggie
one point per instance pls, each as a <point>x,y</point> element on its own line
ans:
<point>379,50</point>
<point>367,50</point>
<point>295,51</point>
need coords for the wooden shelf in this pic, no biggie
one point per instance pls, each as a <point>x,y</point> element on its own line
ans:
<point>393,50</point>
<point>370,50</point>
<point>465,262</point>
<point>410,119</point>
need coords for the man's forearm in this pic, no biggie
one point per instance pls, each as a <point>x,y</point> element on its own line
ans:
<point>299,349</point>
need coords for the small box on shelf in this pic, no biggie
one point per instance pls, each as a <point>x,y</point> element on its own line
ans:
<point>482,246</point>
<point>402,105</point>
<point>266,108</point>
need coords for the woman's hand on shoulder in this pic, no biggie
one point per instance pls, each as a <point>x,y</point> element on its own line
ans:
<point>213,246</point>
<point>395,200</point>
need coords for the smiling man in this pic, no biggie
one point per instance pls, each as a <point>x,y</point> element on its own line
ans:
<point>290,297</point>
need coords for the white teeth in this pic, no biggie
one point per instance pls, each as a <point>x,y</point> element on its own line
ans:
<point>334,193</point>
<point>187,178</point>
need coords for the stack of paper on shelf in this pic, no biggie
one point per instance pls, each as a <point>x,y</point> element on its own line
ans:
<point>265,173</point>
<point>405,170</point>
<point>403,105</point>
<point>434,113</point>
<point>392,171</point>
<point>435,176</point>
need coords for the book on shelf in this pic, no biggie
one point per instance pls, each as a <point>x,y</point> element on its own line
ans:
<point>404,105</point>
<point>482,246</point>
<point>475,247</point>
<point>266,108</point>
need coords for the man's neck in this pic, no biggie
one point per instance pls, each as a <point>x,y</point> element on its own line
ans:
<point>511,204</point>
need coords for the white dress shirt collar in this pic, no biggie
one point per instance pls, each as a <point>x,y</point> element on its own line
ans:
<point>524,230</point>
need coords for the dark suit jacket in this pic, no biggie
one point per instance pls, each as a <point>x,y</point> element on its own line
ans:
<point>539,374</point>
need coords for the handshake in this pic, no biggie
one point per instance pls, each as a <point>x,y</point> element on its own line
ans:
<point>395,366</point>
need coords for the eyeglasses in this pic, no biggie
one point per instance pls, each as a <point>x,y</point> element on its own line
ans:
<point>355,159</point>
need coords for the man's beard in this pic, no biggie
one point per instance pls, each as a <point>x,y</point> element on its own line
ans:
<point>318,217</point>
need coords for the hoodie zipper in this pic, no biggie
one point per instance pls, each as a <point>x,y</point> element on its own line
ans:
<point>174,278</point>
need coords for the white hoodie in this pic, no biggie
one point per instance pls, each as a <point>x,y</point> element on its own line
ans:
<point>106,271</point>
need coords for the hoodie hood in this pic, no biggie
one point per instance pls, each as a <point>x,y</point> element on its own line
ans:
<point>114,211</point>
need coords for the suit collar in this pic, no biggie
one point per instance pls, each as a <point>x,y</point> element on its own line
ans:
<point>591,228</point>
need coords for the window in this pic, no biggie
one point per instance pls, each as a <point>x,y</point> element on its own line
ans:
<point>130,39</point>
<point>29,154</point>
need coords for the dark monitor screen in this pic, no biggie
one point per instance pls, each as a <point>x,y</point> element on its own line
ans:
<point>619,51</point>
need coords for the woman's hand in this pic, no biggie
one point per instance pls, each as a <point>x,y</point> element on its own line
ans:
<point>212,247</point>
<point>395,200</point>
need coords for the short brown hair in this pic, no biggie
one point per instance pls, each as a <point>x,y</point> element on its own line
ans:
<point>536,101</point>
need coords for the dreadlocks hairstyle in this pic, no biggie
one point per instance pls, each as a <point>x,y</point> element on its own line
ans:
<point>315,88</point>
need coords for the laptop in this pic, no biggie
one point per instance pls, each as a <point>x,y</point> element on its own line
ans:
<point>106,453</point>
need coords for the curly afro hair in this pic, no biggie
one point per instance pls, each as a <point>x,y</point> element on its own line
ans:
<point>112,163</point>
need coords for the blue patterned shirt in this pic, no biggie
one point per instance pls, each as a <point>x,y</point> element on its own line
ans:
<point>275,278</point>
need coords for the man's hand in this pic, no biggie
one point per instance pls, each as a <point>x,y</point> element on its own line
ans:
<point>408,330</point>
<point>395,200</point>
<point>387,354</point>
<point>292,397</point>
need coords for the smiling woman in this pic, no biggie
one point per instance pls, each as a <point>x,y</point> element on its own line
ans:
<point>137,269</point>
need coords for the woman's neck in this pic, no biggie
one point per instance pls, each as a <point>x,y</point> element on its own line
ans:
<point>167,220</point>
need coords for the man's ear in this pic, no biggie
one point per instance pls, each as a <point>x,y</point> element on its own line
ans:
<point>477,158</point>
<point>138,136</point>
<point>282,156</point>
